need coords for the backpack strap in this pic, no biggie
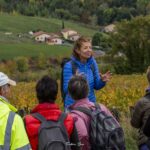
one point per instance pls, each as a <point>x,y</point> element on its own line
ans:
<point>74,139</point>
<point>92,68</point>
<point>39,117</point>
<point>62,117</point>
<point>64,61</point>
<point>97,106</point>
<point>64,130</point>
<point>7,138</point>
<point>74,67</point>
<point>84,110</point>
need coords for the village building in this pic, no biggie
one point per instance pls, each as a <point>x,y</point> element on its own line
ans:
<point>73,37</point>
<point>40,36</point>
<point>109,28</point>
<point>54,41</point>
<point>67,32</point>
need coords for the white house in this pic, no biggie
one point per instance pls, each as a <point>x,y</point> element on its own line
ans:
<point>55,35</point>
<point>109,28</point>
<point>41,36</point>
<point>54,41</point>
<point>68,32</point>
<point>73,37</point>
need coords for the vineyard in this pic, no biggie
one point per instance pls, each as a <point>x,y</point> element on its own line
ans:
<point>120,93</point>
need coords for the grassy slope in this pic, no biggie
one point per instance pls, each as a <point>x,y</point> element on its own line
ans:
<point>8,51</point>
<point>12,46</point>
<point>17,24</point>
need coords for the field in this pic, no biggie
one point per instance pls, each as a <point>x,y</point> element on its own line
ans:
<point>120,93</point>
<point>9,51</point>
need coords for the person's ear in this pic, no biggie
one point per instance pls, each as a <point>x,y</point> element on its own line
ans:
<point>77,51</point>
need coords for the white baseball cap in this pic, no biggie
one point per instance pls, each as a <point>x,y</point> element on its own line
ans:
<point>5,80</point>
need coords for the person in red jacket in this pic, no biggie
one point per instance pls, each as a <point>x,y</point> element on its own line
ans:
<point>46,91</point>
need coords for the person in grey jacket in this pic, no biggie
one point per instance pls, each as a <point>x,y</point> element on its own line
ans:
<point>140,115</point>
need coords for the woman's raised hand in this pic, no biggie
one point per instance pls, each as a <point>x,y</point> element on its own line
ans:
<point>106,77</point>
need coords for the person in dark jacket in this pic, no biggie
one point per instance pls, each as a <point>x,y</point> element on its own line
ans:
<point>86,64</point>
<point>140,115</point>
<point>46,91</point>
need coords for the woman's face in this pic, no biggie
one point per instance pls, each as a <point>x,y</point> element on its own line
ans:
<point>85,51</point>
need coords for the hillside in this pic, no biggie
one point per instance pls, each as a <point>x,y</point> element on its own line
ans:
<point>13,45</point>
<point>24,24</point>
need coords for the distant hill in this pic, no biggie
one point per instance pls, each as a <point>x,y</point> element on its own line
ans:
<point>24,24</point>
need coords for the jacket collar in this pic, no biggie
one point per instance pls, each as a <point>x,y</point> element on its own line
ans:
<point>5,101</point>
<point>78,62</point>
<point>45,106</point>
<point>82,102</point>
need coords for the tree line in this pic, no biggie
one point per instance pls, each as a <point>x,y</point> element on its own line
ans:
<point>128,47</point>
<point>94,12</point>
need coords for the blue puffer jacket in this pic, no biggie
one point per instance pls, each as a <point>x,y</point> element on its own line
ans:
<point>96,83</point>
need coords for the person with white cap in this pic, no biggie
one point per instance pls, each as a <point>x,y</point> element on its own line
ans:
<point>12,132</point>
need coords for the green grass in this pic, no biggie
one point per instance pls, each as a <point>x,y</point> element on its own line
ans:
<point>24,24</point>
<point>9,51</point>
<point>12,46</point>
<point>131,134</point>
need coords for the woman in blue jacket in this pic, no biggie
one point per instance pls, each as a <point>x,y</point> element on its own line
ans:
<point>84,63</point>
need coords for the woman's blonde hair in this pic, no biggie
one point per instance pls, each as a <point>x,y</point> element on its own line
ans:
<point>148,74</point>
<point>78,45</point>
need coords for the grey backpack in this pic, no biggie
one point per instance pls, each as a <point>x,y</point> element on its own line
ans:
<point>105,133</point>
<point>52,135</point>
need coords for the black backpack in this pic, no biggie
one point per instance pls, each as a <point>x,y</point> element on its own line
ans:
<point>52,135</point>
<point>105,133</point>
<point>74,69</point>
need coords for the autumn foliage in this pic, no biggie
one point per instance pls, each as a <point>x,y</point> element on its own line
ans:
<point>120,93</point>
